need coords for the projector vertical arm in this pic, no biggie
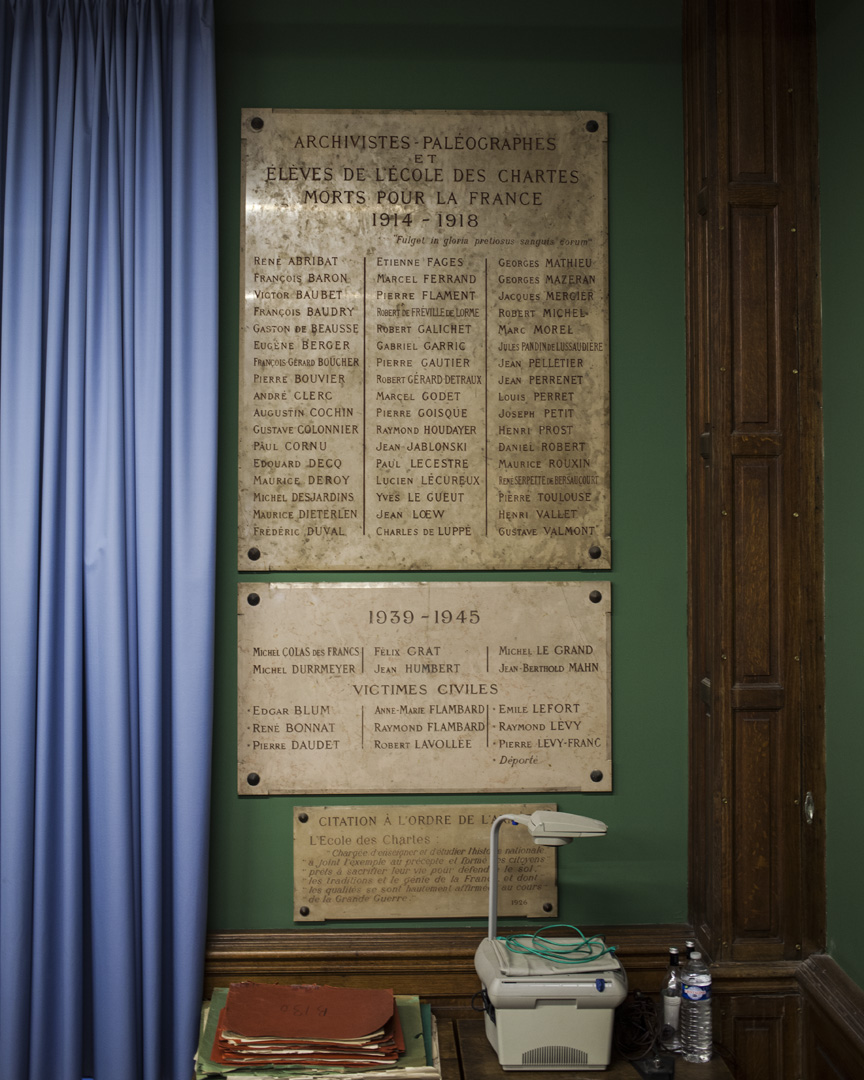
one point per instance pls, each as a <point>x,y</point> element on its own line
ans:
<point>493,869</point>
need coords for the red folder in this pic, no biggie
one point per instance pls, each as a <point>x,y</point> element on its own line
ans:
<point>307,1011</point>
<point>264,1023</point>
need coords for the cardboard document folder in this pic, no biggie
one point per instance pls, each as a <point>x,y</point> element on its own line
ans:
<point>308,1024</point>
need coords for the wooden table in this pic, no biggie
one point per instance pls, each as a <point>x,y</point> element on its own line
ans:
<point>467,1055</point>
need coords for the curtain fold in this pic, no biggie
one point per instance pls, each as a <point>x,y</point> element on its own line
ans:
<point>108,380</point>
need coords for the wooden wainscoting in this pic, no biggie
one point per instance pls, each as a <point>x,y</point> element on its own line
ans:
<point>758,1005</point>
<point>437,964</point>
<point>833,1021</point>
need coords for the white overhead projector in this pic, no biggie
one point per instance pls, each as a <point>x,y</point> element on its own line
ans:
<point>549,1002</point>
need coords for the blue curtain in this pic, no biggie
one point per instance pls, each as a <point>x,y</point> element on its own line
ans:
<point>108,357</point>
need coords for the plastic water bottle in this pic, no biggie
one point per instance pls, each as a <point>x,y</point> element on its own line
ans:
<point>670,1002</point>
<point>695,1019</point>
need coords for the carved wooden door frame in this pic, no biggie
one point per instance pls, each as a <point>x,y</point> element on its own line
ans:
<point>757,788</point>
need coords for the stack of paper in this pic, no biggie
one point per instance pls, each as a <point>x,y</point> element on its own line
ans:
<point>267,1030</point>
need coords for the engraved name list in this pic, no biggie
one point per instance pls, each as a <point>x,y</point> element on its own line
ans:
<point>456,686</point>
<point>424,344</point>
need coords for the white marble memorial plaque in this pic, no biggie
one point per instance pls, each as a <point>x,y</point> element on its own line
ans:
<point>424,341</point>
<point>450,687</point>
<point>410,862</point>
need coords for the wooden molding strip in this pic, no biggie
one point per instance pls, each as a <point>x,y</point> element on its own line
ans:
<point>439,964</point>
<point>362,946</point>
<point>838,1001</point>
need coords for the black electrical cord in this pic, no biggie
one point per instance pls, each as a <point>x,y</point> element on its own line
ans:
<point>637,1027</point>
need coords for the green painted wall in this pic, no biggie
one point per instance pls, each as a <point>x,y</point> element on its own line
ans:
<point>841,165</point>
<point>622,57</point>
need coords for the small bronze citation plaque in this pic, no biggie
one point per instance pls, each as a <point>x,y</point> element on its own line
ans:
<point>417,687</point>
<point>424,343</point>
<point>410,862</point>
